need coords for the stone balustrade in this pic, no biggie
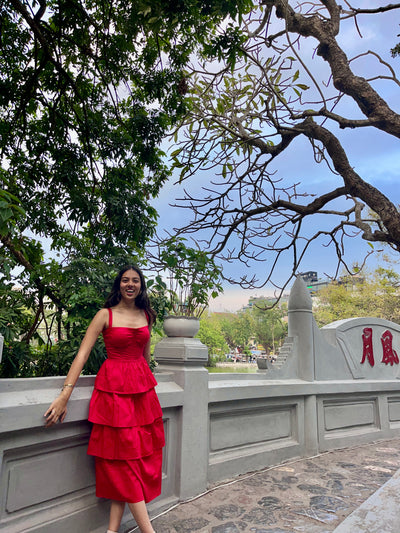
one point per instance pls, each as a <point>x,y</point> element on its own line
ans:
<point>332,387</point>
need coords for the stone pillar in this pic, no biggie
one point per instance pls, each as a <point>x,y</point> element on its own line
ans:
<point>311,425</point>
<point>185,358</point>
<point>300,326</point>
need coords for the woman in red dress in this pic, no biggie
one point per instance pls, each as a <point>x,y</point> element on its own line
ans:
<point>127,435</point>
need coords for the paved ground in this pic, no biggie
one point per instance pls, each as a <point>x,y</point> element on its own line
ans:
<point>313,495</point>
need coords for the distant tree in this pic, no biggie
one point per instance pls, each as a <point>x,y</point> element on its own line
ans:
<point>237,329</point>
<point>268,326</point>
<point>211,335</point>
<point>282,82</point>
<point>376,294</point>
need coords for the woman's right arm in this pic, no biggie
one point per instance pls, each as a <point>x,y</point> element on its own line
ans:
<point>58,408</point>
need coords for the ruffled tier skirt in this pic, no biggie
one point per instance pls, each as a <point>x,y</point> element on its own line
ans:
<point>127,435</point>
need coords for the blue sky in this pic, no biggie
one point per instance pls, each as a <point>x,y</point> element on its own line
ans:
<point>373,154</point>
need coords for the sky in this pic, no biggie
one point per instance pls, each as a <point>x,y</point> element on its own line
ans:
<point>373,154</point>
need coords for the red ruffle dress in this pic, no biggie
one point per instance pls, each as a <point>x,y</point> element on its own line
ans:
<point>128,434</point>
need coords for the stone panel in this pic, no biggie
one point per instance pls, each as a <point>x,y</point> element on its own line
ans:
<point>366,359</point>
<point>394,411</point>
<point>36,475</point>
<point>240,428</point>
<point>350,420</point>
<point>261,432</point>
<point>342,415</point>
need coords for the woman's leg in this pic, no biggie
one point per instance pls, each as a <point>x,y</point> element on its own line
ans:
<point>116,512</point>
<point>141,516</point>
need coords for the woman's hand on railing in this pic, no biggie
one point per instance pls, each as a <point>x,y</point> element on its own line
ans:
<point>57,411</point>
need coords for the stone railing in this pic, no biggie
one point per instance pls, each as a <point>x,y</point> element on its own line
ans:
<point>333,388</point>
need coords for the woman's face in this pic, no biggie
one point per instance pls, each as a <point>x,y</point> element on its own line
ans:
<point>130,285</point>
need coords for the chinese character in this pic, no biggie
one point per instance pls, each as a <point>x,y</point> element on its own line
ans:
<point>389,355</point>
<point>368,351</point>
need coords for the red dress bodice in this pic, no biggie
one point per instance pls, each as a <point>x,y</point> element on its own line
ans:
<point>125,370</point>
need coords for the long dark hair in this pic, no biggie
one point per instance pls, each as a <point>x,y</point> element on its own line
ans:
<point>142,299</point>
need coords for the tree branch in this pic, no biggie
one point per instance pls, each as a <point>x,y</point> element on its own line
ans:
<point>22,260</point>
<point>368,100</point>
<point>361,11</point>
<point>355,185</point>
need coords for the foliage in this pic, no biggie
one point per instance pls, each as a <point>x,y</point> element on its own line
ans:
<point>269,328</point>
<point>159,301</point>
<point>237,329</point>
<point>276,84</point>
<point>42,339</point>
<point>375,294</point>
<point>87,92</point>
<point>16,361</point>
<point>395,51</point>
<point>28,360</point>
<point>152,364</point>
<point>259,324</point>
<point>192,277</point>
<point>211,335</point>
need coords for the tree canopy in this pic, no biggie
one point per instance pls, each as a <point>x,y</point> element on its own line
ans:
<point>211,335</point>
<point>237,329</point>
<point>88,89</point>
<point>371,294</point>
<point>268,325</point>
<point>283,81</point>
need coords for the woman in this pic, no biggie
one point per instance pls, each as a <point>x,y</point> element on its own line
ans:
<point>127,435</point>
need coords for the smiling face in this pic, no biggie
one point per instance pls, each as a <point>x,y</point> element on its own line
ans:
<point>130,285</point>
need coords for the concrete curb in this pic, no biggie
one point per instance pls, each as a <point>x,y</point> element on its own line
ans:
<point>380,513</point>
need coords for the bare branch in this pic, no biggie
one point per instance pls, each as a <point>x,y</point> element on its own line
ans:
<point>242,124</point>
<point>372,11</point>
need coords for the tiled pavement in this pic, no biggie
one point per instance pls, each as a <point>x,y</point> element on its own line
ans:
<point>312,495</point>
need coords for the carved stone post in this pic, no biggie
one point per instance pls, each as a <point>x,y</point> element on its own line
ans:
<point>300,327</point>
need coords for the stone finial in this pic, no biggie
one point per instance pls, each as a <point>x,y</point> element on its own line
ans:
<point>299,298</point>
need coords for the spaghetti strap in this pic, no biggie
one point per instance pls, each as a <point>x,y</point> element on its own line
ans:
<point>110,318</point>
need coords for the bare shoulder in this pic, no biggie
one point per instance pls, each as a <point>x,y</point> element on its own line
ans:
<point>103,312</point>
<point>100,320</point>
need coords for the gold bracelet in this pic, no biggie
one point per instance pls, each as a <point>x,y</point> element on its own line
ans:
<point>67,385</point>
